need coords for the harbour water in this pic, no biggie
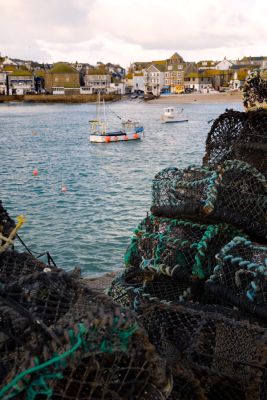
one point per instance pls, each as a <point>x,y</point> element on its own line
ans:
<point>108,186</point>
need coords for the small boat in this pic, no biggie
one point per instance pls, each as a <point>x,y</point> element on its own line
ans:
<point>171,115</point>
<point>130,129</point>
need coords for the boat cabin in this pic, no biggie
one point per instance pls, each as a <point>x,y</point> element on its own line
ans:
<point>169,111</point>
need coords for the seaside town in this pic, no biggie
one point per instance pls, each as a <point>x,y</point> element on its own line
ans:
<point>150,79</point>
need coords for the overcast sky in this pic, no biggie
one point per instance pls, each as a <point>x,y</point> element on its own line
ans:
<point>123,31</point>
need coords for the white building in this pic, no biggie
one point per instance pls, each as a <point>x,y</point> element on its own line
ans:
<point>97,81</point>
<point>154,79</point>
<point>224,65</point>
<point>117,88</point>
<point>20,82</point>
<point>3,86</point>
<point>8,61</point>
<point>138,82</point>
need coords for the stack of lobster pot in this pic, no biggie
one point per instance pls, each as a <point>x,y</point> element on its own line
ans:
<point>195,270</point>
<point>61,340</point>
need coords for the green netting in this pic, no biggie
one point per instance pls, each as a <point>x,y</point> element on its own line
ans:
<point>235,193</point>
<point>242,267</point>
<point>173,247</point>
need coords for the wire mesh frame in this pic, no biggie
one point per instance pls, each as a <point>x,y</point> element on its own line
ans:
<point>238,135</point>
<point>242,266</point>
<point>210,342</point>
<point>235,193</point>
<point>173,246</point>
<point>98,350</point>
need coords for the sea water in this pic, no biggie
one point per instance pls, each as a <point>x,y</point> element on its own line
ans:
<point>85,199</point>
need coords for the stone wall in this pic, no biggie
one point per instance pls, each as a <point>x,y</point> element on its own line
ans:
<point>75,98</point>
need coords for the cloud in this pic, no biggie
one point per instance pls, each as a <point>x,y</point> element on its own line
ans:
<point>127,30</point>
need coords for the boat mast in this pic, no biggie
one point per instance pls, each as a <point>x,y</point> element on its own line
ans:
<point>98,106</point>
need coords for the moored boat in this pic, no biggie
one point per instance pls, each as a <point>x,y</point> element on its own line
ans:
<point>130,129</point>
<point>171,115</point>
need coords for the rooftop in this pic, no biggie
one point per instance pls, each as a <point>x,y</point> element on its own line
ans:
<point>62,68</point>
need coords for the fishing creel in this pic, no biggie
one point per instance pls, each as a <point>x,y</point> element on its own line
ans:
<point>233,193</point>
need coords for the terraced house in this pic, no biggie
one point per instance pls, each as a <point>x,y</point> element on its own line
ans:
<point>174,75</point>
<point>97,80</point>
<point>165,76</point>
<point>154,79</point>
<point>20,82</point>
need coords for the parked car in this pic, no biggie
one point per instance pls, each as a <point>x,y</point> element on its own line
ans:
<point>189,90</point>
<point>31,92</point>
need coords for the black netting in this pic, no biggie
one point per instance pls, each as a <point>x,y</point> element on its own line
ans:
<point>251,145</point>
<point>237,135</point>
<point>60,340</point>
<point>218,346</point>
<point>255,89</point>
<point>235,193</point>
<point>6,225</point>
<point>222,136</point>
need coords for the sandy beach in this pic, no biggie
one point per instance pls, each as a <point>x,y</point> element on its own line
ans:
<point>231,97</point>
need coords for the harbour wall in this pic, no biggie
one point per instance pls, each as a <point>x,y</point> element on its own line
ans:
<point>50,98</point>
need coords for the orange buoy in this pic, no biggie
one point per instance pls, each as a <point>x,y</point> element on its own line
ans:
<point>136,136</point>
<point>35,172</point>
<point>107,139</point>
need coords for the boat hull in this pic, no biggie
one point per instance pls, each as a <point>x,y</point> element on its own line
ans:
<point>115,138</point>
<point>175,121</point>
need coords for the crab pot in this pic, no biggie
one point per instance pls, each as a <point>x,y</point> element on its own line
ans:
<point>225,351</point>
<point>234,193</point>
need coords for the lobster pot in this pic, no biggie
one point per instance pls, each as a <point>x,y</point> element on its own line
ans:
<point>222,137</point>
<point>93,350</point>
<point>255,89</point>
<point>235,193</point>
<point>241,267</point>
<point>15,265</point>
<point>134,283</point>
<point>251,145</point>
<point>6,224</point>
<point>240,136</point>
<point>225,352</point>
<point>186,386</point>
<point>176,248</point>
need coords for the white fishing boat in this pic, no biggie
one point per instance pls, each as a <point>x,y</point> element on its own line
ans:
<point>130,129</point>
<point>172,115</point>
